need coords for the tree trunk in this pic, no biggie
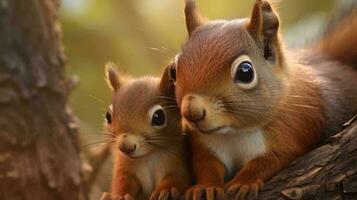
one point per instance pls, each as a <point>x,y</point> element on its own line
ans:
<point>39,155</point>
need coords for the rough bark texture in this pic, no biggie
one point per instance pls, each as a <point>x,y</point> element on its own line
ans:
<point>39,155</point>
<point>328,172</point>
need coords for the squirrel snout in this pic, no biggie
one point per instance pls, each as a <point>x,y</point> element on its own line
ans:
<point>191,109</point>
<point>126,147</point>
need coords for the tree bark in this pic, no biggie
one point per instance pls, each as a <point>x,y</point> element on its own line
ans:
<point>328,172</point>
<point>39,155</point>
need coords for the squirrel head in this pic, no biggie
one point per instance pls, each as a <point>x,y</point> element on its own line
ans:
<point>230,74</point>
<point>143,116</point>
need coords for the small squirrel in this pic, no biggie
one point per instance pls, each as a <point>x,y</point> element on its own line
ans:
<point>250,105</point>
<point>148,145</point>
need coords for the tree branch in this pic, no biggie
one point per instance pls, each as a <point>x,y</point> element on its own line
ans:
<point>328,172</point>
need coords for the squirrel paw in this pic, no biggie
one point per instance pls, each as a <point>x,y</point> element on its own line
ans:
<point>198,192</point>
<point>124,197</point>
<point>165,194</point>
<point>243,191</point>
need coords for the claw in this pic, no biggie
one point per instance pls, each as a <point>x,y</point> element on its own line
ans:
<point>242,193</point>
<point>198,192</point>
<point>239,191</point>
<point>175,194</point>
<point>128,197</point>
<point>154,195</point>
<point>232,190</point>
<point>210,193</point>
<point>165,194</point>
<point>253,192</point>
<point>124,197</point>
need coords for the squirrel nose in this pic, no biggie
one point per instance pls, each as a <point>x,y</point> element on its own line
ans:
<point>192,109</point>
<point>126,147</point>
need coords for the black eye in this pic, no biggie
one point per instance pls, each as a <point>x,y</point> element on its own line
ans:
<point>108,117</point>
<point>158,118</point>
<point>173,72</point>
<point>244,73</point>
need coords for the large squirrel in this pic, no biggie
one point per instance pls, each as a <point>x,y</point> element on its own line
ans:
<point>149,149</point>
<point>250,105</point>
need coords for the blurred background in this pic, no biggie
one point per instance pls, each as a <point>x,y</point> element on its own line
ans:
<point>141,36</point>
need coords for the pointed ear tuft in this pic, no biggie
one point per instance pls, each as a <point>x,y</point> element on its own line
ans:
<point>193,18</point>
<point>112,76</point>
<point>264,26</point>
<point>167,86</point>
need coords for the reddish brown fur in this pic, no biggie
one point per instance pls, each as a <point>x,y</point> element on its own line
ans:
<point>340,43</point>
<point>124,182</point>
<point>209,179</point>
<point>191,13</point>
<point>296,128</point>
<point>157,168</point>
<point>291,104</point>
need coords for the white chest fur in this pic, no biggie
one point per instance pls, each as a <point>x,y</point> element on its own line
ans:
<point>151,170</point>
<point>235,149</point>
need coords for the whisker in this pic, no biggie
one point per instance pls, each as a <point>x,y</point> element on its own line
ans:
<point>110,135</point>
<point>305,97</point>
<point>305,106</point>
<point>166,97</point>
<point>163,149</point>
<point>287,110</point>
<point>156,137</point>
<point>98,142</point>
<point>96,98</point>
<point>157,50</point>
<point>168,50</point>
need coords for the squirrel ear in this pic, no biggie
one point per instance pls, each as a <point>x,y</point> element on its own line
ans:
<point>112,77</point>
<point>263,26</point>
<point>193,18</point>
<point>167,86</point>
